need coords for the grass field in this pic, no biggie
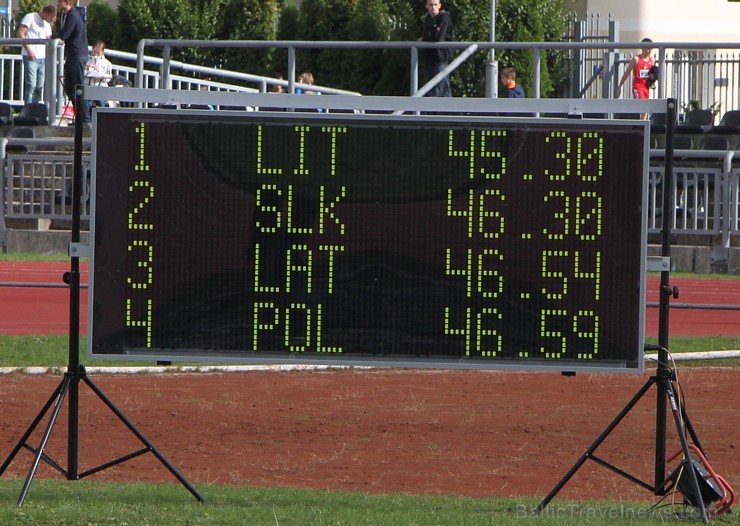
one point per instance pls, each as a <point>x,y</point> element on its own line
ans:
<point>87,503</point>
<point>52,351</point>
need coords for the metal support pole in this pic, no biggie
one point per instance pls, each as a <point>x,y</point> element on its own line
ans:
<point>165,72</point>
<point>491,90</point>
<point>537,72</point>
<point>414,80</point>
<point>291,70</point>
<point>663,374</point>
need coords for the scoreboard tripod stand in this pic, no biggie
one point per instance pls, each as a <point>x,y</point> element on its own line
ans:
<point>664,381</point>
<point>68,388</point>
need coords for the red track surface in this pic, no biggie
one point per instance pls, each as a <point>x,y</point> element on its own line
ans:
<point>38,310</point>
<point>695,322</point>
<point>45,310</point>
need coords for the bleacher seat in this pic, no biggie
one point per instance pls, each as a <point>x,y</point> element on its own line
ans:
<point>657,123</point>
<point>33,114</point>
<point>729,124</point>
<point>716,142</point>
<point>119,81</point>
<point>682,142</point>
<point>20,132</point>
<point>696,121</point>
<point>6,113</point>
<point>633,116</point>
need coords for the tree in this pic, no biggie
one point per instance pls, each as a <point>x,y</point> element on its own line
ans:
<point>252,20</point>
<point>371,23</point>
<point>533,21</point>
<point>516,21</point>
<point>387,72</point>
<point>102,23</point>
<point>202,20</point>
<point>288,29</point>
<point>381,71</point>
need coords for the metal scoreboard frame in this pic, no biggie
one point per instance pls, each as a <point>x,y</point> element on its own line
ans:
<point>340,239</point>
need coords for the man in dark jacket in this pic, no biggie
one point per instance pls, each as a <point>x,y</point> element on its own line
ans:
<point>437,28</point>
<point>75,54</point>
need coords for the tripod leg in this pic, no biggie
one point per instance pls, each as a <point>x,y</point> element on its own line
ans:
<point>64,386</point>
<point>143,439</point>
<point>686,451</point>
<point>31,428</point>
<point>691,430</point>
<point>595,445</point>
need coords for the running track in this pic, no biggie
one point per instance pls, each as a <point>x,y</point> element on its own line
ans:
<point>45,310</point>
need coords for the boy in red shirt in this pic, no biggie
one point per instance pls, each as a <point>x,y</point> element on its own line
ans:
<point>639,67</point>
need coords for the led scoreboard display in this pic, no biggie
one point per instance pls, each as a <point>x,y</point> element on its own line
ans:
<point>403,241</point>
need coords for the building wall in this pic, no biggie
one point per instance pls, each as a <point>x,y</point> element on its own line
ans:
<point>669,20</point>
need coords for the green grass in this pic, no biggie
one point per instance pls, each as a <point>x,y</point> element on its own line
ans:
<point>85,503</point>
<point>681,344</point>
<point>52,351</point>
<point>696,276</point>
<point>22,256</point>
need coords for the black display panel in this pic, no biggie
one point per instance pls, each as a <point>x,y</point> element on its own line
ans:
<point>409,241</point>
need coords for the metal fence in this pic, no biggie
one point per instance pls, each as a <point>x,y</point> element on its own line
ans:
<point>39,186</point>
<point>703,74</point>
<point>704,78</point>
<point>37,181</point>
<point>706,196</point>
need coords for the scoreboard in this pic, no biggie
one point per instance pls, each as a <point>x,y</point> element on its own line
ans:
<point>410,241</point>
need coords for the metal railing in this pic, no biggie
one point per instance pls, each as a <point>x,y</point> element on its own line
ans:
<point>705,193</point>
<point>701,207</point>
<point>706,72</point>
<point>37,177</point>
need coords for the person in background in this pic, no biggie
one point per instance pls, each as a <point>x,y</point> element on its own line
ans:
<point>35,25</point>
<point>277,88</point>
<point>305,78</point>
<point>75,54</point>
<point>437,28</point>
<point>639,68</point>
<point>508,79</point>
<point>98,69</point>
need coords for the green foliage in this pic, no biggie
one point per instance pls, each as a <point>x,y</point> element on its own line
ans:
<point>516,21</point>
<point>140,19</point>
<point>202,20</point>
<point>371,24</point>
<point>374,71</point>
<point>311,26</point>
<point>102,23</point>
<point>255,20</point>
<point>30,6</point>
<point>387,72</point>
<point>288,29</point>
